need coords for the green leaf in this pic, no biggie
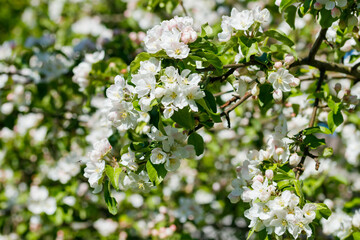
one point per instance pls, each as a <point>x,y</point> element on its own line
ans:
<point>253,50</point>
<point>206,30</point>
<point>325,18</point>
<point>110,201</point>
<point>214,116</point>
<point>312,130</point>
<point>113,174</point>
<point>323,210</point>
<point>356,235</point>
<point>184,118</point>
<point>286,3</point>
<point>157,172</point>
<point>211,58</point>
<point>334,120</point>
<point>251,232</point>
<point>290,15</point>
<point>313,142</point>
<point>210,101</point>
<point>134,66</point>
<point>355,202</point>
<point>334,106</point>
<point>279,36</point>
<point>328,152</point>
<point>263,235</point>
<point>297,185</point>
<point>198,142</point>
<point>265,97</point>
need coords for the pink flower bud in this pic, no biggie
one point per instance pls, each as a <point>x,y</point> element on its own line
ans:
<point>141,36</point>
<point>258,178</point>
<point>277,95</point>
<point>133,36</point>
<point>318,6</point>
<point>173,227</point>
<point>269,174</point>
<point>289,59</point>
<point>335,12</point>
<point>295,82</point>
<point>188,35</point>
<point>278,65</point>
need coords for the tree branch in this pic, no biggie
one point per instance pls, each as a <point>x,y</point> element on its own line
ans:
<point>314,49</point>
<point>300,168</point>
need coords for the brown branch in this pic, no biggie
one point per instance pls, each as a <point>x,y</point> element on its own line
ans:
<point>300,168</point>
<point>233,99</point>
<point>314,49</point>
<point>183,8</point>
<point>242,99</point>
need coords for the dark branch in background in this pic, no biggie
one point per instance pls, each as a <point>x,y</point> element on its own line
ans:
<point>241,100</point>
<point>355,67</point>
<point>300,169</point>
<point>314,49</point>
<point>183,8</point>
<point>223,77</point>
<point>226,113</point>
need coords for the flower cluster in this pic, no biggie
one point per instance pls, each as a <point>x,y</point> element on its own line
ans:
<point>277,211</point>
<point>95,166</point>
<point>282,81</point>
<point>40,201</point>
<point>152,85</point>
<point>333,5</point>
<point>242,21</point>
<point>171,36</point>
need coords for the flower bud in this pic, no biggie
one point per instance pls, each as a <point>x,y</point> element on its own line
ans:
<point>277,95</point>
<point>335,12</point>
<point>295,82</point>
<point>352,21</point>
<point>261,76</point>
<point>318,6</point>
<point>294,159</point>
<point>269,174</point>
<point>258,178</point>
<point>289,59</point>
<point>337,87</point>
<point>356,219</point>
<point>277,65</point>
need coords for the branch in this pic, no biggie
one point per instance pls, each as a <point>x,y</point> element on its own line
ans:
<point>328,66</point>
<point>300,168</point>
<point>183,8</point>
<point>317,43</point>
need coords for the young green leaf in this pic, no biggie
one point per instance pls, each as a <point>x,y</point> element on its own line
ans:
<point>197,141</point>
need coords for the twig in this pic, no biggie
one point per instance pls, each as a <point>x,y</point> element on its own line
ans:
<point>183,8</point>
<point>300,168</point>
<point>355,67</point>
<point>242,99</point>
<point>233,99</point>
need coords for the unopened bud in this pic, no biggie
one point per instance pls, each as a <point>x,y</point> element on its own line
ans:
<point>261,76</point>
<point>294,159</point>
<point>277,95</point>
<point>352,21</point>
<point>277,65</point>
<point>269,174</point>
<point>258,178</point>
<point>289,59</point>
<point>295,82</point>
<point>318,6</point>
<point>335,12</point>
